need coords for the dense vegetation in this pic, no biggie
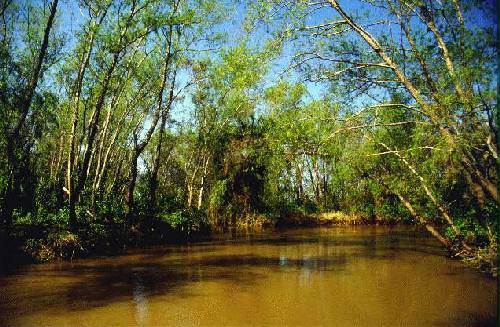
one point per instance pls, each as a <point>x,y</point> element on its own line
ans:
<point>143,121</point>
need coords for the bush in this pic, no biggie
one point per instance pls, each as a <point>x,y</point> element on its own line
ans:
<point>392,211</point>
<point>253,221</point>
<point>470,227</point>
<point>62,245</point>
<point>59,219</point>
<point>186,221</point>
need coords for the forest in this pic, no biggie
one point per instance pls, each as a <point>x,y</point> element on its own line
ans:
<point>129,123</point>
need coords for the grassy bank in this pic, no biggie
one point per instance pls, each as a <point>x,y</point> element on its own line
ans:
<point>334,218</point>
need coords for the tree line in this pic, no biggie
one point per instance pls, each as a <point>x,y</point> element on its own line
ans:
<point>148,119</point>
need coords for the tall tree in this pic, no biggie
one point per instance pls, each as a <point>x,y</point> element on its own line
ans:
<point>21,105</point>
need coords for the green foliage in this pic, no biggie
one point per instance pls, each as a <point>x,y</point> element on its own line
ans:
<point>476,232</point>
<point>217,195</point>
<point>392,211</point>
<point>46,235</point>
<point>186,221</point>
<point>284,120</point>
<point>57,220</point>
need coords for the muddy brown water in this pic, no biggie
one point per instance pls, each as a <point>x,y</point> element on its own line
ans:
<point>337,276</point>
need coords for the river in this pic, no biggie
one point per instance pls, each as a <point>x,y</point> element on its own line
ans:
<point>336,276</point>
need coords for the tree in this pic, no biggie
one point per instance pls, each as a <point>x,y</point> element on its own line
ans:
<point>22,98</point>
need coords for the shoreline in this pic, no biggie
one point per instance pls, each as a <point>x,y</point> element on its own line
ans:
<point>15,254</point>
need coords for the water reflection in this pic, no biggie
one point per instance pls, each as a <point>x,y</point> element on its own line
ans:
<point>305,272</point>
<point>283,260</point>
<point>140,300</point>
<point>314,277</point>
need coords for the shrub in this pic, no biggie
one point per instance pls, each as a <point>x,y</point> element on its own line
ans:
<point>186,221</point>
<point>62,245</point>
<point>471,229</point>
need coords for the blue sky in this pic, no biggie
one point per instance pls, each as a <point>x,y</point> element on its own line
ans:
<point>71,18</point>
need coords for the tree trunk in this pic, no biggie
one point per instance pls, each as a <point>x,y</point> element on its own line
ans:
<point>190,187</point>
<point>153,182</point>
<point>94,122</point>
<point>139,147</point>
<point>375,45</point>
<point>202,182</point>
<point>74,125</point>
<point>131,187</point>
<point>33,82</point>
<point>316,180</point>
<point>434,232</point>
<point>427,190</point>
<point>478,178</point>
<point>476,189</point>
<point>428,16</point>
<point>24,106</point>
<point>299,188</point>
<point>75,192</point>
<point>444,213</point>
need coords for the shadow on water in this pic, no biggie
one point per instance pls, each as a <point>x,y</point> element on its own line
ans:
<point>92,286</point>
<point>141,275</point>
<point>96,286</point>
<point>466,319</point>
<point>397,242</point>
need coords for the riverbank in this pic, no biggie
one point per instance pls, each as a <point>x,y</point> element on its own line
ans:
<point>29,242</point>
<point>333,218</point>
<point>55,244</point>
